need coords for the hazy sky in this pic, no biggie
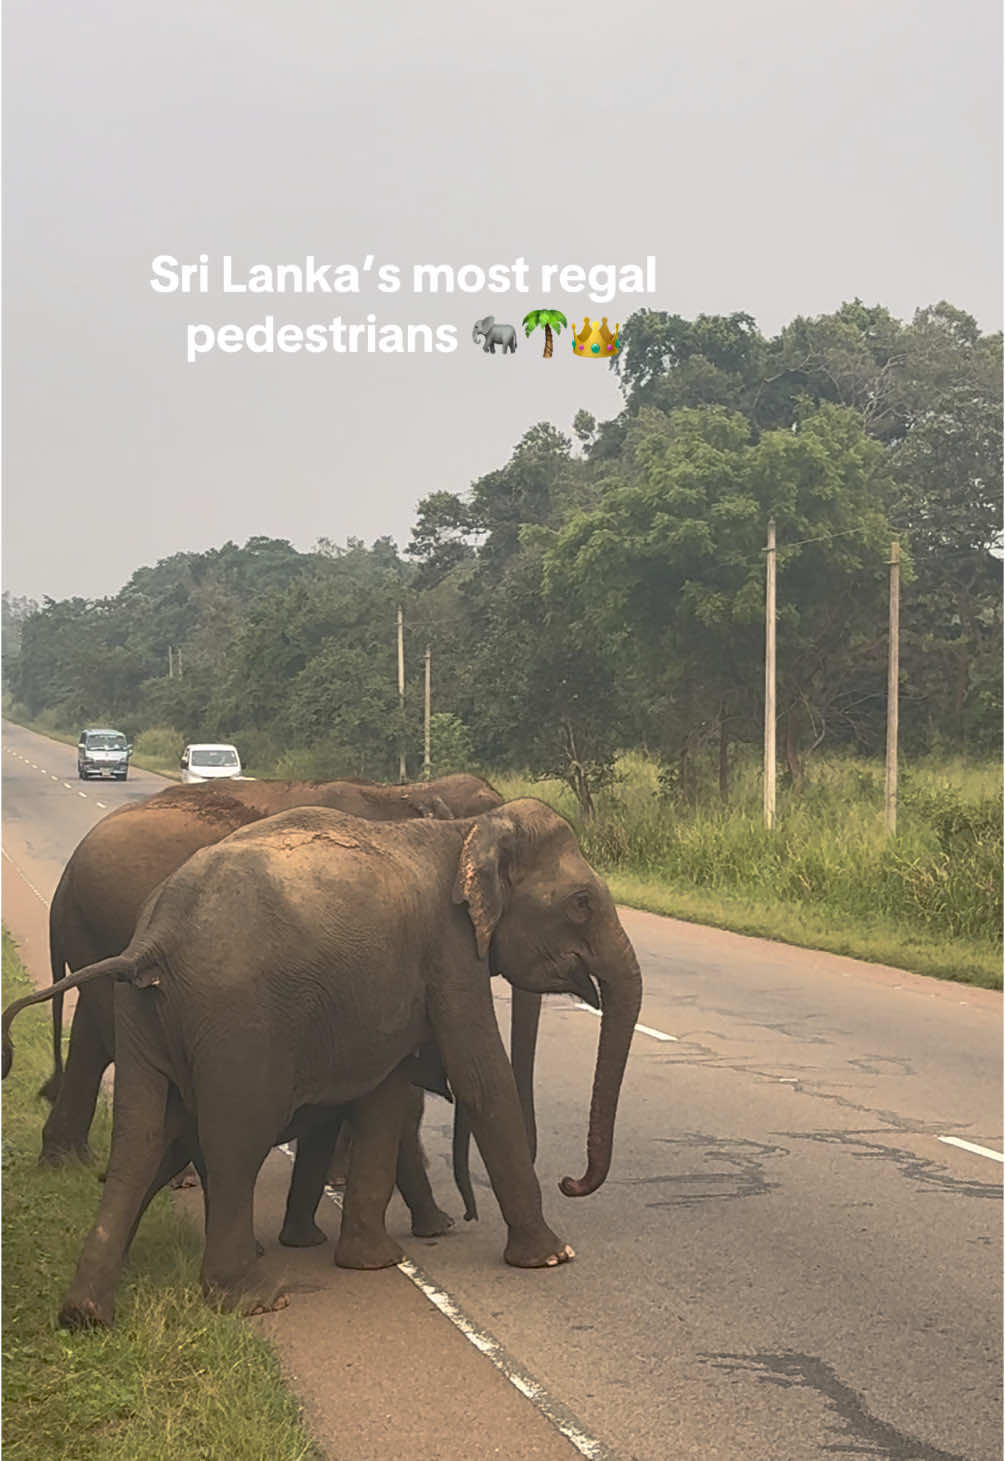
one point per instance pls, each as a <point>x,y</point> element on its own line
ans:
<point>777,157</point>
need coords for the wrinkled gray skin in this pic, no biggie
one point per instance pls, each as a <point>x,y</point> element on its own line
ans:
<point>123,858</point>
<point>346,945</point>
<point>121,861</point>
<point>502,335</point>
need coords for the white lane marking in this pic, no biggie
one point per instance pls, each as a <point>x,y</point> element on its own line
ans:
<point>100,804</point>
<point>41,898</point>
<point>83,794</point>
<point>68,786</point>
<point>971,1146</point>
<point>642,1029</point>
<point>552,1410</point>
<point>54,776</point>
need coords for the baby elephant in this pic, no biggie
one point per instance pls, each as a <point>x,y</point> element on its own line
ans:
<point>294,967</point>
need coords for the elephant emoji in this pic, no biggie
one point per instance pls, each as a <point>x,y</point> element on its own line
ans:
<point>493,335</point>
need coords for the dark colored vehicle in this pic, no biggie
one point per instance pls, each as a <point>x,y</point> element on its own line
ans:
<point>103,753</point>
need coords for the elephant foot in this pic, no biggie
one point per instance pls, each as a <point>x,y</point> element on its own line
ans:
<point>86,1314</point>
<point>370,1250</point>
<point>61,1156</point>
<point>251,1307</point>
<point>244,1298</point>
<point>541,1251</point>
<point>431,1224</point>
<point>189,1177</point>
<point>336,1177</point>
<point>302,1235</point>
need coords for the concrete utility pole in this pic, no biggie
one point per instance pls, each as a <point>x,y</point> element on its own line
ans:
<point>893,691</point>
<point>769,683</point>
<point>170,664</point>
<point>402,773</point>
<point>427,765</point>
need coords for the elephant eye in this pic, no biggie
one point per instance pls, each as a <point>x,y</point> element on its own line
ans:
<point>578,907</point>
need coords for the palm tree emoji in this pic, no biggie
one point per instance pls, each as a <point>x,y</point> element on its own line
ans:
<point>551,319</point>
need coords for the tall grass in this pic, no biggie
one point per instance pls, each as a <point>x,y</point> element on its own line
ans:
<point>939,878</point>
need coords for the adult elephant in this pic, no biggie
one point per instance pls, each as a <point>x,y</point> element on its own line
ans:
<point>294,967</point>
<point>123,858</point>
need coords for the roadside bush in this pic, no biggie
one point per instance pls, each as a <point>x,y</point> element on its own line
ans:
<point>160,743</point>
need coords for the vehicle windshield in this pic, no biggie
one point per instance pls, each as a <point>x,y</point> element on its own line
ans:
<point>219,756</point>
<point>111,742</point>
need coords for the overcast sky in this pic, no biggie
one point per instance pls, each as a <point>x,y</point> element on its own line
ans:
<point>777,157</point>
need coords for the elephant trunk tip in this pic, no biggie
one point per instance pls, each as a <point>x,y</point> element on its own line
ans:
<point>582,1186</point>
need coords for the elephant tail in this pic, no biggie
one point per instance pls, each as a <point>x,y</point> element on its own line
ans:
<point>462,1164</point>
<point>120,967</point>
<point>57,964</point>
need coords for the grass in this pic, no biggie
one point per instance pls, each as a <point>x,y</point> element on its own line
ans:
<point>173,1377</point>
<point>828,876</point>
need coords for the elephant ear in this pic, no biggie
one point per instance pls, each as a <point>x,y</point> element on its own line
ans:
<point>480,881</point>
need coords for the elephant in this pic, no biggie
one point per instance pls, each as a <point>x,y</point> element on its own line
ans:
<point>124,857</point>
<point>295,966</point>
<point>493,335</point>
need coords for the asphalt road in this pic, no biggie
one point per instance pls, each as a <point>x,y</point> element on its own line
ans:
<point>787,1262</point>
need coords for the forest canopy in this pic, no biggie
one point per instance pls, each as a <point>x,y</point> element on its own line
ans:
<point>604,590</point>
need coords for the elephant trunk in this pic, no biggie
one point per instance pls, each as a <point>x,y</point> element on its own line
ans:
<point>475,333</point>
<point>620,1000</point>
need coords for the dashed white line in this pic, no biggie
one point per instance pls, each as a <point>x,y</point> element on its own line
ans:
<point>100,804</point>
<point>83,794</point>
<point>971,1146</point>
<point>54,776</point>
<point>552,1410</point>
<point>40,896</point>
<point>68,786</point>
<point>642,1029</point>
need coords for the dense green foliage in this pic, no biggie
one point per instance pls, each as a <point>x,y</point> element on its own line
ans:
<point>929,899</point>
<point>583,600</point>
<point>173,1378</point>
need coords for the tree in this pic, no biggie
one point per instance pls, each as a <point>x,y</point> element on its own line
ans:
<point>548,320</point>
<point>669,569</point>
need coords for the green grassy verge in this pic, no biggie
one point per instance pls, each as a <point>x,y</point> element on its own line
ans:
<point>968,962</point>
<point>173,1378</point>
<point>828,876</point>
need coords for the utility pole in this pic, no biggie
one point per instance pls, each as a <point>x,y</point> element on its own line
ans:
<point>178,659</point>
<point>769,683</point>
<point>893,690</point>
<point>402,773</point>
<point>170,664</point>
<point>427,765</point>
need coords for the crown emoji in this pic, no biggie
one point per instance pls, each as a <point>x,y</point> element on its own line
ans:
<point>594,339</point>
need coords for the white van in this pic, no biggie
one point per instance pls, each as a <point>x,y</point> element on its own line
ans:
<point>209,762</point>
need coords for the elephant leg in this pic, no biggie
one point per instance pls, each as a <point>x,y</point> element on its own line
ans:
<point>174,1159</point>
<point>234,1153</point>
<point>461,1153</point>
<point>428,1221</point>
<point>310,1171</point>
<point>482,1079</point>
<point>138,1157</point>
<point>525,1015</point>
<point>340,1157</point>
<point>377,1121</point>
<point>65,1132</point>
